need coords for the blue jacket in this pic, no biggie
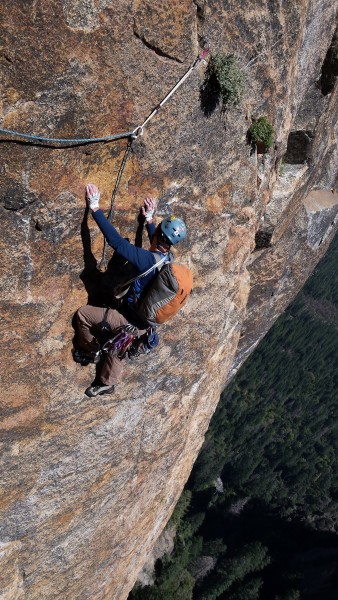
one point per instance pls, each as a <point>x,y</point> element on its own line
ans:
<point>140,258</point>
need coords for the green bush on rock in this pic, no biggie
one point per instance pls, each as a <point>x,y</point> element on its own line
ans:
<point>262,132</point>
<point>223,69</point>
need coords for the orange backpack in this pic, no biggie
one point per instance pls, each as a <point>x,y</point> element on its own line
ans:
<point>168,293</point>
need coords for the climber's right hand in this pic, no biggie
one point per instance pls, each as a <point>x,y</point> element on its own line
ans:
<point>93,196</point>
<point>148,209</point>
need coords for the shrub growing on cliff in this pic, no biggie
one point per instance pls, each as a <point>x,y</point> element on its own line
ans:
<point>262,132</point>
<point>224,81</point>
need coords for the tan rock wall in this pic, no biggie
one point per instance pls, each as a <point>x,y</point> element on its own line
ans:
<point>88,485</point>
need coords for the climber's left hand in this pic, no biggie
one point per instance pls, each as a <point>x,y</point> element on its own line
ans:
<point>93,196</point>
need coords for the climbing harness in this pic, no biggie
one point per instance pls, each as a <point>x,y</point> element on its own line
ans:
<point>131,135</point>
<point>126,343</point>
<point>105,329</point>
<point>121,341</point>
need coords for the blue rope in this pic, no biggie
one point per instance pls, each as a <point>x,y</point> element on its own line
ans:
<point>77,141</point>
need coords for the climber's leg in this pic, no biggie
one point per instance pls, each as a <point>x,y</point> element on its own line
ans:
<point>111,367</point>
<point>88,320</point>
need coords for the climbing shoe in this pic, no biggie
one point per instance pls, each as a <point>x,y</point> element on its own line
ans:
<point>99,390</point>
<point>84,358</point>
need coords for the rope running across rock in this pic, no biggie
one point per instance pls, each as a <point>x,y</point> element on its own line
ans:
<point>131,135</point>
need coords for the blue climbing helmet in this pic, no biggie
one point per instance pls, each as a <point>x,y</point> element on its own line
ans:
<point>174,229</point>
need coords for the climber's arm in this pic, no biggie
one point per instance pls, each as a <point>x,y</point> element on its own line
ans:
<point>140,258</point>
<point>151,228</point>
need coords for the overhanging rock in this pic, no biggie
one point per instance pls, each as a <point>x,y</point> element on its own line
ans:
<point>322,208</point>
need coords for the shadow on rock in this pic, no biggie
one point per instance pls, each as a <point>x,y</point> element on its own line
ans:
<point>100,284</point>
<point>210,94</point>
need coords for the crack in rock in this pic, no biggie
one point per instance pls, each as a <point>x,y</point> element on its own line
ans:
<point>155,49</point>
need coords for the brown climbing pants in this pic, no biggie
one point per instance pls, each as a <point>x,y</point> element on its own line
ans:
<point>88,319</point>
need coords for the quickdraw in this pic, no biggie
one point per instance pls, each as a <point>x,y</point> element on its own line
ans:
<point>126,343</point>
<point>121,341</point>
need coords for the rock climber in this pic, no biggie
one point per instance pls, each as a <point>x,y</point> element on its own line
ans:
<point>89,318</point>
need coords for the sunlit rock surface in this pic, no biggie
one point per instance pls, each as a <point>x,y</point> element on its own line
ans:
<point>89,484</point>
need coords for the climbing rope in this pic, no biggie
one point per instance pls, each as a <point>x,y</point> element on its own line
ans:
<point>103,261</point>
<point>139,131</point>
<point>109,138</point>
<point>131,135</point>
<point>77,141</point>
<point>173,90</point>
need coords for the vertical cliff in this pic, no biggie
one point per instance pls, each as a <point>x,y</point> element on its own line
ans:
<point>88,484</point>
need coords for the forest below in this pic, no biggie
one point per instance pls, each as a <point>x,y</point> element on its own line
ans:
<point>258,518</point>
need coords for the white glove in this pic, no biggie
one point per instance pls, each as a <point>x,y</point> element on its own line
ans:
<point>148,209</point>
<point>93,195</point>
<point>94,200</point>
<point>148,215</point>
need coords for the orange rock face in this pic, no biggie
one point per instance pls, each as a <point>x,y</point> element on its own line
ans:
<point>89,484</point>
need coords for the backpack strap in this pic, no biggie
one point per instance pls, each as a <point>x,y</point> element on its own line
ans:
<point>126,284</point>
<point>169,257</point>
